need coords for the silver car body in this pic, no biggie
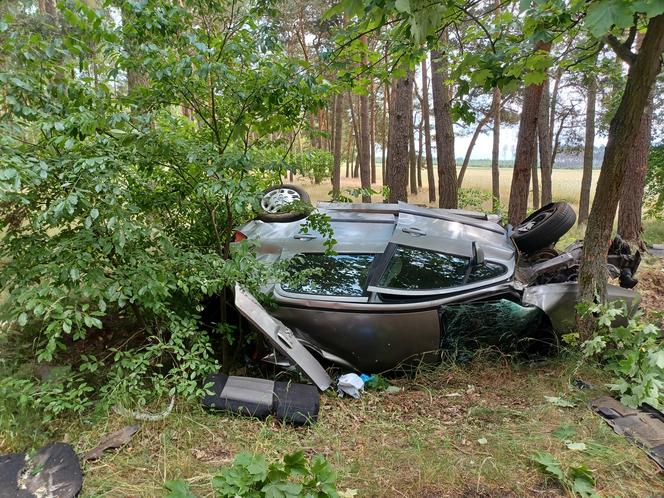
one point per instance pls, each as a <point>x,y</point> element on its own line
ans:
<point>385,325</point>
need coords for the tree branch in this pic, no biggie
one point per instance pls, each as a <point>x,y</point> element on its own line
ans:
<point>620,49</point>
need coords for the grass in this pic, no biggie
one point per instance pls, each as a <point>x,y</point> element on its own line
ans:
<point>423,441</point>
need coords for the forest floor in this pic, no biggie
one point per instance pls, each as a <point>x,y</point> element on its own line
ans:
<point>459,430</point>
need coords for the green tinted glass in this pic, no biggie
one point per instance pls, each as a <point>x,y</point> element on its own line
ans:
<point>339,275</point>
<point>419,269</point>
<point>412,268</point>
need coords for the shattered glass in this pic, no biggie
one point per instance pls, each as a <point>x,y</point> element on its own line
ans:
<point>503,324</point>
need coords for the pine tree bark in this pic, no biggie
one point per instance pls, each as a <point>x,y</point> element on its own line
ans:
<point>630,225</point>
<point>623,132</point>
<point>525,149</point>
<point>412,155</point>
<point>495,151</point>
<point>365,135</point>
<point>338,138</point>
<point>447,178</point>
<point>420,147</point>
<point>588,150</point>
<point>400,114</point>
<point>431,178</point>
<point>372,130</point>
<point>536,188</point>
<point>544,143</point>
<point>383,141</point>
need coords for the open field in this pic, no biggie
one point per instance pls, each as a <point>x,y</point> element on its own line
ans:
<point>566,187</point>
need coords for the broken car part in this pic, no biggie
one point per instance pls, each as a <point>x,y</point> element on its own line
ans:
<point>54,471</point>
<point>643,426</point>
<point>289,402</point>
<point>281,338</point>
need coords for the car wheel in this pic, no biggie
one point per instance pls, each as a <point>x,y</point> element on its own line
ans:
<point>544,227</point>
<point>275,201</point>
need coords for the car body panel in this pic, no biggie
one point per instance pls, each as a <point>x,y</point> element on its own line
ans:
<point>559,301</point>
<point>354,337</point>
<point>281,337</point>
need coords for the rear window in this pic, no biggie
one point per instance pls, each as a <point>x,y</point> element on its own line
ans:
<point>420,269</point>
<point>338,275</point>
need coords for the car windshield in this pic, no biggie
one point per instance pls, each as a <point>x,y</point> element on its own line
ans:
<point>327,275</point>
<point>420,269</point>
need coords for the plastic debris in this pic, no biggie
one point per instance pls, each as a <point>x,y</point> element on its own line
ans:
<point>350,384</point>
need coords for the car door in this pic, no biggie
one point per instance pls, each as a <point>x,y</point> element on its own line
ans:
<point>428,256</point>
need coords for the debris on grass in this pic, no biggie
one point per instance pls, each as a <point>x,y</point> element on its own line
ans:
<point>113,440</point>
<point>561,402</point>
<point>53,471</point>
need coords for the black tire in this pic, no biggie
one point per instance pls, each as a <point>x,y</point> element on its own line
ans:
<point>287,216</point>
<point>544,227</point>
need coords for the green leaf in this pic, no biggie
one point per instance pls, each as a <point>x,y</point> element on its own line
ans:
<point>549,464</point>
<point>602,15</point>
<point>23,319</point>
<point>557,401</point>
<point>178,488</point>
<point>575,446</point>
<point>564,432</point>
<point>402,6</point>
<point>534,78</point>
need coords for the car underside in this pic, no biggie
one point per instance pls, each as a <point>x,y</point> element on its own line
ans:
<point>407,282</point>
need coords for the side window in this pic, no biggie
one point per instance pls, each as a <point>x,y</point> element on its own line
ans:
<point>419,269</point>
<point>486,271</point>
<point>339,275</point>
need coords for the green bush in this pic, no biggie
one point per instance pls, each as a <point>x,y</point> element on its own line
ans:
<point>117,209</point>
<point>632,353</point>
<point>251,476</point>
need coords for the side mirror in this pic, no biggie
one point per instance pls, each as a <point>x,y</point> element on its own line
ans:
<point>478,255</point>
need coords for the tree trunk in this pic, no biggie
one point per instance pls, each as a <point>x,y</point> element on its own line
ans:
<point>365,136</point>
<point>471,146</point>
<point>552,111</point>
<point>525,149</point>
<point>400,117</point>
<point>338,137</point>
<point>349,153</point>
<point>588,151</point>
<point>431,179</point>
<point>420,147</point>
<point>383,142</point>
<point>412,155</point>
<point>447,178</point>
<point>630,225</point>
<point>543,140</point>
<point>372,130</point>
<point>495,151</point>
<point>536,189</point>
<point>623,131</point>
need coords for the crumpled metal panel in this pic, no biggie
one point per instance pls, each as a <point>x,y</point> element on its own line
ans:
<point>281,337</point>
<point>644,426</point>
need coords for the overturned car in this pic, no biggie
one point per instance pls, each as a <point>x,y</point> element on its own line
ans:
<point>408,281</point>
